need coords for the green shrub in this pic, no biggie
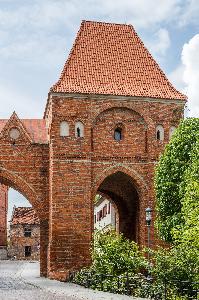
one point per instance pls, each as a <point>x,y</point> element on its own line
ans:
<point>115,255</point>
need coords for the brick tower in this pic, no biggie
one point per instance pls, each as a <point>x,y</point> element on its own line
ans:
<point>109,117</point>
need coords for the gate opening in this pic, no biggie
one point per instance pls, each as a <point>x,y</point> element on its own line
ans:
<point>19,227</point>
<point>117,205</point>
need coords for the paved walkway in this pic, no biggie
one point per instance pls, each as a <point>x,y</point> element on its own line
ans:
<point>20,280</point>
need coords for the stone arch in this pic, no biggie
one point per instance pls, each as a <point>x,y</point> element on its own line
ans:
<point>128,191</point>
<point>15,181</point>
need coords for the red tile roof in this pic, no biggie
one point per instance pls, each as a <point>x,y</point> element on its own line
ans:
<point>111,59</point>
<point>35,127</point>
<point>24,215</point>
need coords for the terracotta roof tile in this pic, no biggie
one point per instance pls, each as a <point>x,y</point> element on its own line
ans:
<point>24,215</point>
<point>111,59</point>
<point>35,127</point>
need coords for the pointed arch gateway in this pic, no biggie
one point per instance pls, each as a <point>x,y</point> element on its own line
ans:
<point>128,192</point>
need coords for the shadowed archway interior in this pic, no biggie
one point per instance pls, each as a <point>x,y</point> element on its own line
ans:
<point>121,189</point>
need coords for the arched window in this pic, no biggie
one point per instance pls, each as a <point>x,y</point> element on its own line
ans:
<point>64,128</point>
<point>79,129</point>
<point>171,131</point>
<point>160,133</point>
<point>118,134</point>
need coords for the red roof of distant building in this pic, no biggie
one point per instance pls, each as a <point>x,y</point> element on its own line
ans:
<point>24,215</point>
<point>111,59</point>
<point>35,127</point>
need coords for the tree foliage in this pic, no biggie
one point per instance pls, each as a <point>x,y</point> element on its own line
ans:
<point>176,183</point>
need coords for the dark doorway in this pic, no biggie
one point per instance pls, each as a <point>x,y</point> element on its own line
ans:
<point>27,251</point>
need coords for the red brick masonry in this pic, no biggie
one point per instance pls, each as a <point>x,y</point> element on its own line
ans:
<point>109,81</point>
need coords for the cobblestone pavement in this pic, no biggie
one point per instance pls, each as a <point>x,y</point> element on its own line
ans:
<point>14,287</point>
<point>20,280</point>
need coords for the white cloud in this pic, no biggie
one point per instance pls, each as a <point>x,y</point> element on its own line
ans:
<point>160,42</point>
<point>189,13</point>
<point>190,60</point>
<point>176,77</point>
<point>186,76</point>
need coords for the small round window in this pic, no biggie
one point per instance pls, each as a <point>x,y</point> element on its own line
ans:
<point>118,134</point>
<point>14,133</point>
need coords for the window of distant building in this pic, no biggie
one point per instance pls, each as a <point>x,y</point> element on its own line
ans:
<point>27,232</point>
<point>27,251</point>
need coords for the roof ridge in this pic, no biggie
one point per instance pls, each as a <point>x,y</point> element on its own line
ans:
<point>104,22</point>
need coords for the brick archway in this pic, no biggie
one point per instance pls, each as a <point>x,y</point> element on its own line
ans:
<point>16,182</point>
<point>128,190</point>
<point>12,180</point>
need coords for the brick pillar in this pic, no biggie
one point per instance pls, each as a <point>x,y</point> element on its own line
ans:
<point>70,213</point>
<point>3,221</point>
<point>71,219</point>
<point>43,247</point>
<point>3,215</point>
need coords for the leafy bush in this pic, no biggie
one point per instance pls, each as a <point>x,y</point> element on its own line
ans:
<point>117,261</point>
<point>115,255</point>
<point>176,264</point>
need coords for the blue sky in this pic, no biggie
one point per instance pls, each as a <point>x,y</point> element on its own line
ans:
<point>36,36</point>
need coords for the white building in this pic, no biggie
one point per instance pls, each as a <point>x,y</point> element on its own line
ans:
<point>104,214</point>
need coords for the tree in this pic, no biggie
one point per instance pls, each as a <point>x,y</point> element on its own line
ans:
<point>176,183</point>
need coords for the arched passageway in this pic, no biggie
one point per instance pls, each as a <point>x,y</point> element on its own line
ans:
<point>120,188</point>
<point>19,224</point>
<point>12,180</point>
